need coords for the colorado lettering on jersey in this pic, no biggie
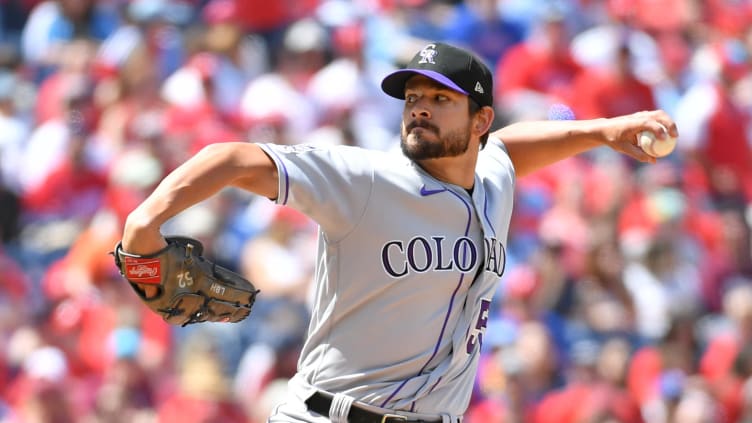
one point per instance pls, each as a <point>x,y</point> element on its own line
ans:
<point>496,256</point>
<point>438,254</point>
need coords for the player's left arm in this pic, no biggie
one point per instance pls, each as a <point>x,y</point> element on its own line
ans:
<point>535,144</point>
<point>216,166</point>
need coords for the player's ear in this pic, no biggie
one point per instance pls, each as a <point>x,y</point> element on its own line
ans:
<point>483,119</point>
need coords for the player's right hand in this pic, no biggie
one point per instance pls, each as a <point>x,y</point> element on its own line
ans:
<point>621,133</point>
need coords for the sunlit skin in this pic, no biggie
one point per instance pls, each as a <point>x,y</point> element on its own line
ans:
<point>428,105</point>
<point>439,134</point>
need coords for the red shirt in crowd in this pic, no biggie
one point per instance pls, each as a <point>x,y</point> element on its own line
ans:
<point>605,93</point>
<point>534,67</point>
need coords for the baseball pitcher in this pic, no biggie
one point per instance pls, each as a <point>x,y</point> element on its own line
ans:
<point>411,245</point>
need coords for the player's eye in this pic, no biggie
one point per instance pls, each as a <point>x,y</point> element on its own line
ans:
<point>411,98</point>
<point>441,97</point>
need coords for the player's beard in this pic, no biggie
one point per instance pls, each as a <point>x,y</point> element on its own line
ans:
<point>417,147</point>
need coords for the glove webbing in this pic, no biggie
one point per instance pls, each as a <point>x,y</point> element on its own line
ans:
<point>199,315</point>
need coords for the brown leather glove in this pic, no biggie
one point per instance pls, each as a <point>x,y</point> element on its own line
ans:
<point>190,289</point>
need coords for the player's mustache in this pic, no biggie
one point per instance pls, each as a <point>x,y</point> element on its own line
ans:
<point>421,124</point>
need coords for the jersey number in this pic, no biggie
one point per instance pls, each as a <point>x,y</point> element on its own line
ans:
<point>476,336</point>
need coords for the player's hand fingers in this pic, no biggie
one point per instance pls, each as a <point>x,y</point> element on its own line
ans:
<point>633,150</point>
<point>658,122</point>
<point>150,291</point>
<point>664,119</point>
<point>673,130</point>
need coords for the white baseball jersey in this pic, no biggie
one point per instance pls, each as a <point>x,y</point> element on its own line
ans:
<point>407,266</point>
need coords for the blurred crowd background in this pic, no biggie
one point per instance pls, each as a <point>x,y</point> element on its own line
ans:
<point>627,295</point>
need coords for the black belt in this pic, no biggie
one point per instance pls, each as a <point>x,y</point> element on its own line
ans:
<point>320,402</point>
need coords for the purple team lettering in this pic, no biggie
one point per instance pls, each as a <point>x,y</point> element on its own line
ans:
<point>476,336</point>
<point>496,256</point>
<point>437,254</point>
<point>423,255</point>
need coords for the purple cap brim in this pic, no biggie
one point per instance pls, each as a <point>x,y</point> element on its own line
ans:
<point>394,83</point>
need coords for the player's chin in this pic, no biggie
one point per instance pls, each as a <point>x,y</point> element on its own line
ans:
<point>420,150</point>
<point>414,143</point>
<point>418,136</point>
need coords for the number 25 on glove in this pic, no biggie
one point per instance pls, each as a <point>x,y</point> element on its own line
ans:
<point>190,289</point>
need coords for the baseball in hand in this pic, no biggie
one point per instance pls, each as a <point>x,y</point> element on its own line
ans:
<point>654,146</point>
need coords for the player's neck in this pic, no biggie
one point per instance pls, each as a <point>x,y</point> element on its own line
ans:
<point>459,170</point>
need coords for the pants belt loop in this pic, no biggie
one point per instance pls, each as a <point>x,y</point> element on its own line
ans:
<point>340,408</point>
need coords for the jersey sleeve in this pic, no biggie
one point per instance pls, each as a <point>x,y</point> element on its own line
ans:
<point>330,184</point>
<point>496,157</point>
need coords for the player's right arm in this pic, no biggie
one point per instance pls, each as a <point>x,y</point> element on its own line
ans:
<point>536,144</point>
<point>242,165</point>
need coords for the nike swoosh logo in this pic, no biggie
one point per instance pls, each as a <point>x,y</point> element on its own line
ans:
<point>424,191</point>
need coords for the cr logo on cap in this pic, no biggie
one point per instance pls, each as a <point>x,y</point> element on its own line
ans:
<point>427,54</point>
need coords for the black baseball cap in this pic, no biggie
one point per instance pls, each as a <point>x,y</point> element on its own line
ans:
<point>451,66</point>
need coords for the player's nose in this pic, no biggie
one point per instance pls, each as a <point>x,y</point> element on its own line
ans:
<point>419,110</point>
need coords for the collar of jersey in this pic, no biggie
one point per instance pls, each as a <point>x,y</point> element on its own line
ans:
<point>433,186</point>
